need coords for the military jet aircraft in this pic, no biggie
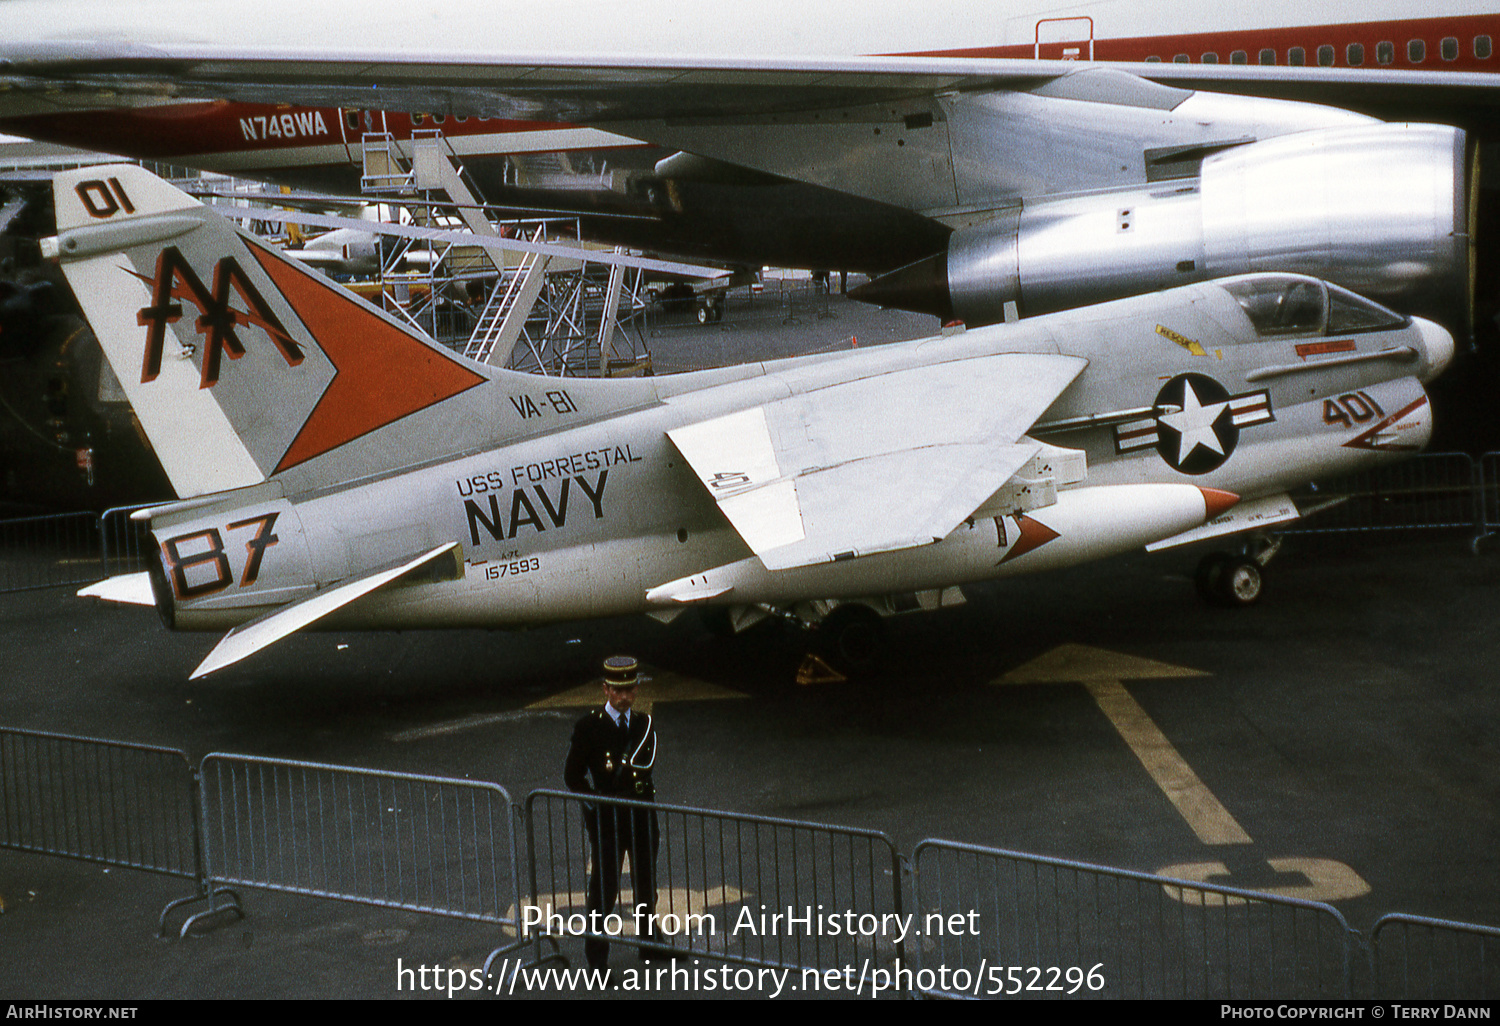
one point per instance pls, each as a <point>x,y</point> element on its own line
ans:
<point>336,469</point>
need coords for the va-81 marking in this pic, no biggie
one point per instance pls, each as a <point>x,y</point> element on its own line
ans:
<point>560,401</point>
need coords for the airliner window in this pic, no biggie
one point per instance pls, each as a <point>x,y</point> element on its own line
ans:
<point>1449,49</point>
<point>1281,306</point>
<point>1354,53</point>
<point>1268,56</point>
<point>1385,52</point>
<point>1416,51</point>
<point>1325,56</point>
<point>1240,57</point>
<point>1483,47</point>
<point>1348,312</point>
<point>1181,58</point>
<point>1209,58</point>
<point>1296,57</point>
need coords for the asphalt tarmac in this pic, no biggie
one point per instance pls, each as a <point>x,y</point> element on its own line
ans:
<point>1349,722</point>
<point>1351,718</point>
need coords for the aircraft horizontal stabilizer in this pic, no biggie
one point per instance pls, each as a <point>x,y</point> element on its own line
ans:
<point>266,630</point>
<point>889,461</point>
<point>128,589</point>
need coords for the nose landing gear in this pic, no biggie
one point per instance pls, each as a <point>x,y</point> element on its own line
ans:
<point>1236,579</point>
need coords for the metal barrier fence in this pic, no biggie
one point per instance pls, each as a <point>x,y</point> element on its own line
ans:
<point>1002,923</point>
<point>1431,490</point>
<point>124,544</point>
<point>41,552</point>
<point>103,801</point>
<point>1416,957</point>
<point>71,548</point>
<point>742,889</point>
<point>720,878</point>
<point>1489,474</point>
<point>397,840</point>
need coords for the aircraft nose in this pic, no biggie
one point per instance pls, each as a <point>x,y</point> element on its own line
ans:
<point>1437,347</point>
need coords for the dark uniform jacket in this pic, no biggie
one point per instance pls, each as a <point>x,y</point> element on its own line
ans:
<point>608,760</point>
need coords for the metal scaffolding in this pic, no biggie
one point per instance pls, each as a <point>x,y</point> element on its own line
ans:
<point>541,314</point>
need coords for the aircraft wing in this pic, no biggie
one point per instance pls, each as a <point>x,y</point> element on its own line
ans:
<point>962,183</point>
<point>600,88</point>
<point>916,133</point>
<point>889,461</point>
<point>579,89</point>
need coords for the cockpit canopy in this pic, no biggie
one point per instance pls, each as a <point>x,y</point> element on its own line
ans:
<point>1291,304</point>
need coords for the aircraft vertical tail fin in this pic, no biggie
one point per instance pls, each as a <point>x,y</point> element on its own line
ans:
<point>241,364</point>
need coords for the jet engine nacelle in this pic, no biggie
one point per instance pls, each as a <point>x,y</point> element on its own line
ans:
<point>1380,209</point>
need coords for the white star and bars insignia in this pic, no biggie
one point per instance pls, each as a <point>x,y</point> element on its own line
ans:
<point>1200,430</point>
<point>1247,410</point>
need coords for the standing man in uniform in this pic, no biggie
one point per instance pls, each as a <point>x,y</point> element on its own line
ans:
<point>611,756</point>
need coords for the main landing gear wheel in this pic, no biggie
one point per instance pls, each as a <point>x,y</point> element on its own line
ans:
<point>1242,582</point>
<point>1229,581</point>
<point>852,637</point>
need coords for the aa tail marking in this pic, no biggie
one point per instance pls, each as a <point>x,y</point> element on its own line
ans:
<point>176,280</point>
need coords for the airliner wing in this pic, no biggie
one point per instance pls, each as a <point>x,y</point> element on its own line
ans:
<point>601,88</point>
<point>915,133</point>
<point>582,89</point>
<point>890,461</point>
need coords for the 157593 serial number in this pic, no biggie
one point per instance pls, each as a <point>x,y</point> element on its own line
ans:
<point>514,568</point>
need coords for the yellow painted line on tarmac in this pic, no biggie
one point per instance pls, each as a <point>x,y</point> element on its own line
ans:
<point>456,726</point>
<point>657,686</point>
<point>1322,880</point>
<point>1079,664</point>
<point>1204,814</point>
<point>1103,673</point>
